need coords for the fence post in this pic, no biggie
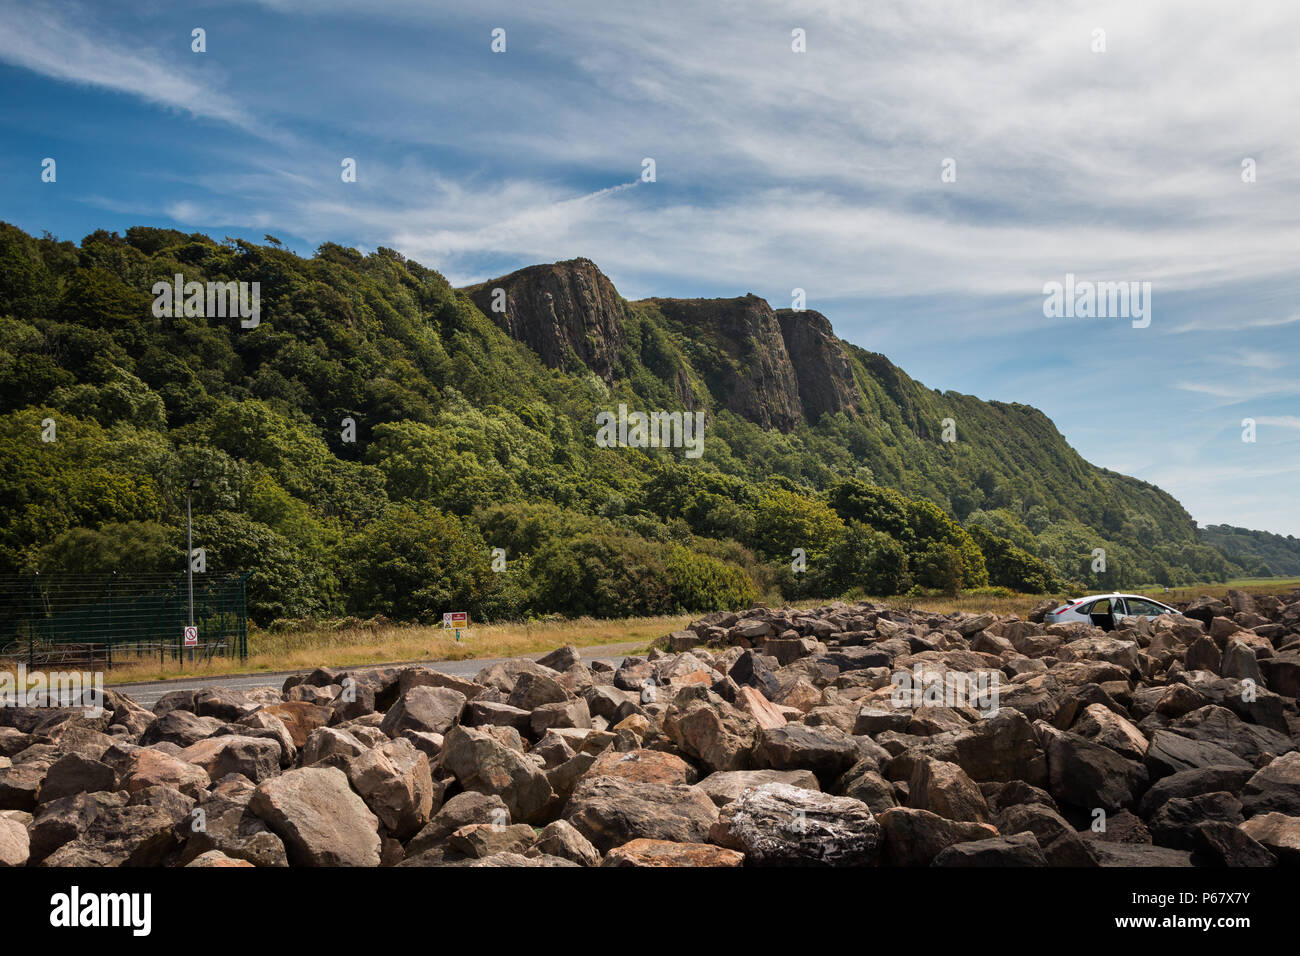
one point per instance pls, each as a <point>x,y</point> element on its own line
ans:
<point>243,616</point>
<point>31,622</point>
<point>108,645</point>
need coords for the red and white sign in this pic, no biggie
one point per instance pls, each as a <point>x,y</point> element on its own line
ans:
<point>458,620</point>
<point>191,636</point>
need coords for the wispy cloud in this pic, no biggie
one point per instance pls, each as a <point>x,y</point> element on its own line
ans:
<point>1245,390</point>
<point>1280,421</point>
<point>65,44</point>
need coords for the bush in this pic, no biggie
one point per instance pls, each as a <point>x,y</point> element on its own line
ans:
<point>868,560</point>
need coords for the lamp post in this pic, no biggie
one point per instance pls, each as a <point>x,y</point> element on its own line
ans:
<point>189,552</point>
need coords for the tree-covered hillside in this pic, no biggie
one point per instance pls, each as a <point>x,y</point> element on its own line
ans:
<point>365,448</point>
<point>1259,553</point>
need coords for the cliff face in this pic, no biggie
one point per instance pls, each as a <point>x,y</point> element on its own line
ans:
<point>820,364</point>
<point>557,309</point>
<point>776,369</point>
<point>737,346</point>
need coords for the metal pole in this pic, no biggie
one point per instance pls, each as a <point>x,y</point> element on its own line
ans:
<point>189,559</point>
<point>31,622</point>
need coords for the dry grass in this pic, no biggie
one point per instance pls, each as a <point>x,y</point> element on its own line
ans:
<point>361,646</point>
<point>345,648</point>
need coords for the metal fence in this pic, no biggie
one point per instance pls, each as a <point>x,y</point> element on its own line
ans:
<point>98,619</point>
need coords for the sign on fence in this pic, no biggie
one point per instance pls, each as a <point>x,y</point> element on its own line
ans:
<point>191,636</point>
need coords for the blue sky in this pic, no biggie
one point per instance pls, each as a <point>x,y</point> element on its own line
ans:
<point>775,170</point>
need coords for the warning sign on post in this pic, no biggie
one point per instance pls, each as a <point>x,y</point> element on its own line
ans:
<point>191,636</point>
<point>455,620</point>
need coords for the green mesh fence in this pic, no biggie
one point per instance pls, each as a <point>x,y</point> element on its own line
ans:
<point>102,618</point>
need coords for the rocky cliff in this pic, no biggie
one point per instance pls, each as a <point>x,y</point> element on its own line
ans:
<point>776,369</point>
<point>559,309</point>
<point>821,364</point>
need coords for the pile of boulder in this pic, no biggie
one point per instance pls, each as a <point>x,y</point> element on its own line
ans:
<point>768,737</point>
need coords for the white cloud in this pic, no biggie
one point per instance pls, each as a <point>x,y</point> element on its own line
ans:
<point>825,165</point>
<point>64,43</point>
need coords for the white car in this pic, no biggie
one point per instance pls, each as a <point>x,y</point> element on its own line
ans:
<point>1107,610</point>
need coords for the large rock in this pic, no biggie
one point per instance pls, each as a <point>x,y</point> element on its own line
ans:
<point>66,819</point>
<point>262,723</point>
<point>1175,823</point>
<point>229,704</point>
<point>826,751</point>
<point>560,838</point>
<point>777,824</point>
<point>727,785</point>
<point>644,766</point>
<point>1103,726</point>
<point>1003,747</point>
<point>1223,844</point>
<point>15,847</point>
<point>1107,854</point>
<point>480,840</point>
<point>1225,729</point>
<point>1189,783</point>
<point>915,837</point>
<point>1279,833</point>
<point>299,717</point>
<point>561,714</point>
<point>228,826</point>
<point>481,762</point>
<point>1019,850</point>
<point>610,811</point>
<point>255,757</point>
<point>461,810</point>
<point>21,782</point>
<point>533,689</point>
<point>327,741</point>
<point>432,710</point>
<point>71,774</point>
<point>1170,752</point>
<point>321,821</point>
<point>131,835</point>
<point>1275,788</point>
<point>1282,673</point>
<point>945,789</point>
<point>147,767</point>
<point>1060,844</point>
<point>655,853</point>
<point>710,730</point>
<point>180,727</point>
<point>395,781</point>
<point>1088,776</point>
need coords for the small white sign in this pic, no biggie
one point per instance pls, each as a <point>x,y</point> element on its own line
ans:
<point>191,636</point>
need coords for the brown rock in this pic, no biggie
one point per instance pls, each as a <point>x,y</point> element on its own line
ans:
<point>643,852</point>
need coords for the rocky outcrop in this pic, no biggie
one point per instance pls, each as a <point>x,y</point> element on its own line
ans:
<point>821,365</point>
<point>742,356</point>
<point>559,309</point>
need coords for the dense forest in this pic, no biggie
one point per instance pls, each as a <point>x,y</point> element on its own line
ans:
<point>1260,553</point>
<point>381,443</point>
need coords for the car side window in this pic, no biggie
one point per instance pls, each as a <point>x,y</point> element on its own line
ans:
<point>1144,608</point>
<point>1085,608</point>
<point>1117,607</point>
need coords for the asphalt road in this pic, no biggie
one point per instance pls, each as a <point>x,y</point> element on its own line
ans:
<point>148,692</point>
